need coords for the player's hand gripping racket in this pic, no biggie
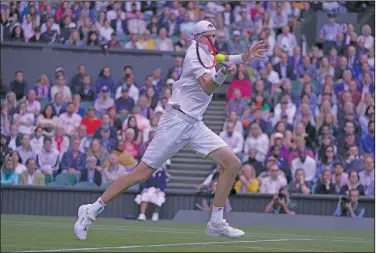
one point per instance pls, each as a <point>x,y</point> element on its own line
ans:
<point>212,51</point>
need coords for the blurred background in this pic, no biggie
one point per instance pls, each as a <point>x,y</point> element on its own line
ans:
<point>84,84</point>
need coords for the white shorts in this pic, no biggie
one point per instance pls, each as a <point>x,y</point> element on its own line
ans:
<point>176,130</point>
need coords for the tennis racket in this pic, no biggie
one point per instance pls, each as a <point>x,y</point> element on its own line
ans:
<point>212,51</point>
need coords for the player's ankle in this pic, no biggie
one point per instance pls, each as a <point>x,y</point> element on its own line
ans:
<point>97,207</point>
<point>216,214</point>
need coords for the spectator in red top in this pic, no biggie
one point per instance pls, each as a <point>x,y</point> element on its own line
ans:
<point>356,96</point>
<point>91,122</point>
<point>240,82</point>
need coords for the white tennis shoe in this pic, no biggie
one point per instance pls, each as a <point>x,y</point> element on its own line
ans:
<point>222,228</point>
<point>83,222</point>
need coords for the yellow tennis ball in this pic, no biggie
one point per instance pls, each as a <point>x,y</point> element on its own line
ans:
<point>220,58</point>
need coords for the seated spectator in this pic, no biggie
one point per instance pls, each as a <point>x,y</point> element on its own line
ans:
<point>116,121</point>
<point>237,104</point>
<point>47,120</point>
<point>58,105</point>
<point>349,207</point>
<point>307,163</point>
<point>93,39</point>
<point>104,101</point>
<point>353,183</point>
<point>124,157</point>
<point>325,184</point>
<point>105,79</point>
<point>284,69</point>
<point>106,31</point>
<point>258,140</point>
<point>14,140</point>
<point>328,160</point>
<point>368,140</point>
<point>113,171</point>
<point>133,42</point>
<point>118,24</point>
<point>281,203</point>
<point>285,107</point>
<point>11,102</point>
<point>339,177</point>
<point>24,120</point>
<point>163,43</point>
<point>300,144</point>
<point>62,88</point>
<point>4,149</point>
<point>236,45</point>
<point>114,43</point>
<point>37,142</point>
<point>32,104</point>
<point>367,117</point>
<point>106,124</point>
<point>299,185</point>
<point>233,139</point>
<point>152,192</point>
<point>5,120</point>
<point>107,143</point>
<point>273,182</point>
<point>91,173</point>
<point>32,176</point>
<point>97,150</point>
<point>80,110</point>
<point>221,44</point>
<point>25,150</point>
<point>367,176</point>
<point>128,84</point>
<point>152,98</point>
<point>69,120</point>
<point>19,167</point>
<point>91,122</point>
<point>183,43</point>
<point>42,88</point>
<point>353,160</point>
<point>130,145</point>
<point>141,122</point>
<point>8,174</point>
<point>73,160</point>
<point>247,181</point>
<point>153,127</point>
<point>240,82</point>
<point>281,161</point>
<point>85,140</point>
<point>233,118</point>
<point>48,158</point>
<point>87,90</point>
<point>142,103</point>
<point>19,86</point>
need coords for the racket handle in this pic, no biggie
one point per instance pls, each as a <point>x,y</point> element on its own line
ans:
<point>225,64</point>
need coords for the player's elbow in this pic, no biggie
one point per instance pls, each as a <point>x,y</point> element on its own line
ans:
<point>206,84</point>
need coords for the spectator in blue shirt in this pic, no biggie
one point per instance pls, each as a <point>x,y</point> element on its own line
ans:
<point>105,79</point>
<point>349,207</point>
<point>125,103</point>
<point>328,33</point>
<point>73,160</point>
<point>368,140</point>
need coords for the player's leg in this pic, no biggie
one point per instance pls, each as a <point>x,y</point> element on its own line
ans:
<point>210,145</point>
<point>172,134</point>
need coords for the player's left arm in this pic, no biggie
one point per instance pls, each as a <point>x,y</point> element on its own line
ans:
<point>253,51</point>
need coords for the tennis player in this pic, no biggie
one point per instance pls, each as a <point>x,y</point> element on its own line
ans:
<point>181,125</point>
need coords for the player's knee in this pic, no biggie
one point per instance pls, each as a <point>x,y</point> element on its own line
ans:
<point>142,172</point>
<point>232,164</point>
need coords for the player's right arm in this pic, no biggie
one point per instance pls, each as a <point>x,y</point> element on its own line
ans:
<point>209,85</point>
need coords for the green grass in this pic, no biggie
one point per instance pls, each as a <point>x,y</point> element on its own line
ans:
<point>28,233</point>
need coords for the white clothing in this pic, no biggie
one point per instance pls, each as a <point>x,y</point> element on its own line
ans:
<point>105,33</point>
<point>309,166</point>
<point>136,25</point>
<point>65,90</point>
<point>69,122</point>
<point>235,141</point>
<point>129,45</point>
<point>55,27</point>
<point>49,160</point>
<point>287,42</point>
<point>261,144</point>
<point>30,179</point>
<point>26,118</point>
<point>32,107</point>
<point>273,77</point>
<point>36,144</point>
<point>166,45</point>
<point>133,92</point>
<point>187,91</point>
<point>64,146</point>
<point>20,168</point>
<point>369,42</point>
<point>27,29</point>
<point>270,186</point>
<point>176,130</point>
<point>145,134</point>
<point>237,128</point>
<point>290,111</point>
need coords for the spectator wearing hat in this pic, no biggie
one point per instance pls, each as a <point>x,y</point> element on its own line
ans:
<point>236,45</point>
<point>104,101</point>
<point>328,33</point>
<point>69,120</point>
<point>124,104</point>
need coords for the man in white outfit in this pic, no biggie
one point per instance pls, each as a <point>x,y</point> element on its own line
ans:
<point>181,125</point>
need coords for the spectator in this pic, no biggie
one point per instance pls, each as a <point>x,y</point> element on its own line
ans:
<point>37,37</point>
<point>106,31</point>
<point>279,19</point>
<point>60,141</point>
<point>47,121</point>
<point>19,86</point>
<point>183,43</point>
<point>91,173</point>
<point>353,161</point>
<point>42,88</point>
<point>324,70</point>
<point>104,101</point>
<point>32,104</point>
<point>19,167</point>
<point>27,27</point>
<point>48,158</point>
<point>105,79</point>
<point>93,39</point>
<point>153,26</point>
<point>60,87</point>
<point>114,43</point>
<point>233,139</point>
<point>287,41</point>
<point>11,102</point>
<point>240,83</point>
<point>73,160</point>
<point>339,178</point>
<point>91,122</point>
<point>113,171</point>
<point>133,43</point>
<point>32,176</point>
<point>124,157</point>
<point>349,207</point>
<point>281,203</point>
<point>353,183</point>
<point>328,33</point>
<point>247,181</point>
<point>97,150</point>
<point>129,144</point>
<point>299,185</point>
<point>237,104</point>
<point>24,120</point>
<point>325,185</point>
<point>257,140</point>
<point>106,124</point>
<point>14,139</point>
<point>236,45</point>
<point>368,140</point>
<point>69,120</point>
<point>221,44</point>
<point>146,42</point>
<point>58,105</point>
<point>233,118</point>
<point>119,25</point>
<point>285,107</point>
<point>163,43</point>
<point>328,161</point>
<point>5,119</point>
<point>37,142</point>
<point>86,90</point>
<point>4,149</point>
<point>273,182</point>
<point>136,22</point>
<point>367,176</point>
<point>307,163</point>
<point>152,192</point>
<point>8,174</point>
<point>133,91</point>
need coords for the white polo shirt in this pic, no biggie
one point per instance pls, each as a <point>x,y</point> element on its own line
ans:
<point>187,92</point>
<point>69,123</point>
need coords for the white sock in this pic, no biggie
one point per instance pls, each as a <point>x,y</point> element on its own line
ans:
<point>98,206</point>
<point>216,214</point>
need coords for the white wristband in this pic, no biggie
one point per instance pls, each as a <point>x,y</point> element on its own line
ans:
<point>236,58</point>
<point>219,77</point>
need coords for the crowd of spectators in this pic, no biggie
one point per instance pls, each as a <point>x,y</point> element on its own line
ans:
<point>302,118</point>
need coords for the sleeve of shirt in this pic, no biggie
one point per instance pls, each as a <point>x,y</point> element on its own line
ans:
<point>359,216</point>
<point>197,69</point>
